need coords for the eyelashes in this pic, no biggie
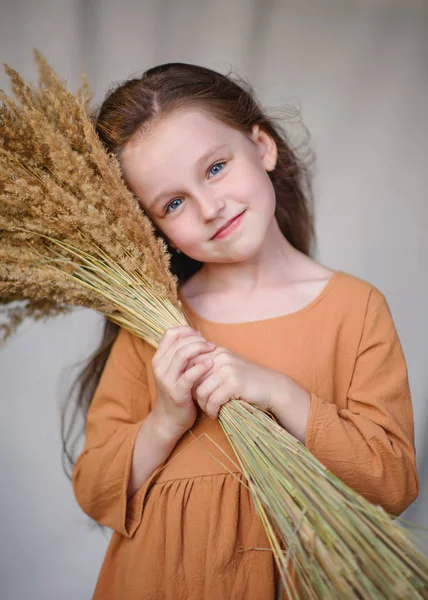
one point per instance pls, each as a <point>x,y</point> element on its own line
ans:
<point>169,204</point>
<point>215,165</point>
<point>222,163</point>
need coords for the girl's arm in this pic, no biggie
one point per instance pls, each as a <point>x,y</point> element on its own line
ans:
<point>124,442</point>
<point>369,444</point>
<point>154,443</point>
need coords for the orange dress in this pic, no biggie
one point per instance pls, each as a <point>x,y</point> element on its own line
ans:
<point>191,531</point>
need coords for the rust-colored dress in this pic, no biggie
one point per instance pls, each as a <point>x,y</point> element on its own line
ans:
<point>191,531</point>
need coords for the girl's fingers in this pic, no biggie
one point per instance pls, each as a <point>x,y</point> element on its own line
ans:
<point>168,344</point>
<point>189,377</point>
<point>221,395</point>
<point>204,392</point>
<point>181,343</point>
<point>182,356</point>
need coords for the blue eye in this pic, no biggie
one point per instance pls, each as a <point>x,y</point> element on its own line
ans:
<point>216,165</point>
<point>170,204</point>
<point>209,170</point>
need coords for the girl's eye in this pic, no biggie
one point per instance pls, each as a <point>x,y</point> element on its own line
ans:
<point>170,204</point>
<point>167,207</point>
<point>216,165</point>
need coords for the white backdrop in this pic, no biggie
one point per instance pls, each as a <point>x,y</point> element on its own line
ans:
<point>359,72</point>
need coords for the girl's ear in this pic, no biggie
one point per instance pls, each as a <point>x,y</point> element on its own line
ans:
<point>267,147</point>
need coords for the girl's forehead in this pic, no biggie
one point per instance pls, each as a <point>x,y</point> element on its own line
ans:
<point>185,123</point>
<point>195,115</point>
<point>184,132</point>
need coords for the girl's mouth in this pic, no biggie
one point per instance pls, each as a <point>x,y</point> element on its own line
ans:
<point>230,228</point>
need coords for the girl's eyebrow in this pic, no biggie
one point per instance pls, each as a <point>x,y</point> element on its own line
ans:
<point>200,160</point>
<point>204,157</point>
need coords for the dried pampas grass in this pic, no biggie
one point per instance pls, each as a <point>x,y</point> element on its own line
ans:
<point>66,216</point>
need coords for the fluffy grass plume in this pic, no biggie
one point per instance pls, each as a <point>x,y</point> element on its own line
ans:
<point>68,223</point>
<point>72,234</point>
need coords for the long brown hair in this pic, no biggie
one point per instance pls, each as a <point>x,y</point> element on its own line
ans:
<point>131,106</point>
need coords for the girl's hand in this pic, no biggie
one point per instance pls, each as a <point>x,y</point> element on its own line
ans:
<point>232,376</point>
<point>174,406</point>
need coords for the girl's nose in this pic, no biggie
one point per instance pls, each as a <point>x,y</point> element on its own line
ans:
<point>210,206</point>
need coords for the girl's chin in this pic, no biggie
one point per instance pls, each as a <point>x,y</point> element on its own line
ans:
<point>237,253</point>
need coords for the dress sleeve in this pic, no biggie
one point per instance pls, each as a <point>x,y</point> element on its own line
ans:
<point>370,444</point>
<point>101,473</point>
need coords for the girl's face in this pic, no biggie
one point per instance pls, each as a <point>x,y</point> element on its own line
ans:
<point>192,174</point>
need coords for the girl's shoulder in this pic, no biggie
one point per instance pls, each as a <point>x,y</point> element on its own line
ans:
<point>357,289</point>
<point>356,304</point>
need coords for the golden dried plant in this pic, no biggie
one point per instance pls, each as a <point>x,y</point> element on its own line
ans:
<point>65,212</point>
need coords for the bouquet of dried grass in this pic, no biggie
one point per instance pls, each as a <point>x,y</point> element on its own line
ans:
<point>72,234</point>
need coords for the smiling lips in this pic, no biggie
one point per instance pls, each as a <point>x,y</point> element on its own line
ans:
<point>228,227</point>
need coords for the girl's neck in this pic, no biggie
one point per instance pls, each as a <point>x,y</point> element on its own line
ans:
<point>276,261</point>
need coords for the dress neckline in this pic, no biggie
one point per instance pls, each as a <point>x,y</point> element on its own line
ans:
<point>326,289</point>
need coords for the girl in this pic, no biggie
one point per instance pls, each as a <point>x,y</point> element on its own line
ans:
<point>316,347</point>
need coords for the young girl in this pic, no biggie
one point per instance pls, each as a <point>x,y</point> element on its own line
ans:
<point>316,347</point>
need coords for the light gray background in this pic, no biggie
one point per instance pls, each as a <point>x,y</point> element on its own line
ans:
<point>358,69</point>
